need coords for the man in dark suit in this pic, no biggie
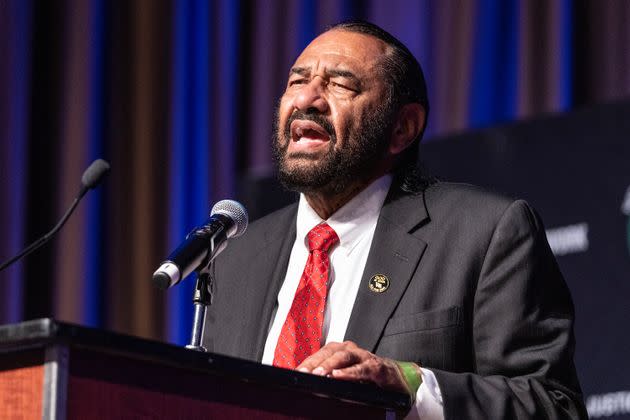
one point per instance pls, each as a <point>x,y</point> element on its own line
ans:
<point>443,291</point>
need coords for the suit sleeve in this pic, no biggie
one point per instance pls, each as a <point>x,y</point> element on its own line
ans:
<point>522,332</point>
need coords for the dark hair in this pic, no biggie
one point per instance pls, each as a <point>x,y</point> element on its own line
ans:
<point>406,85</point>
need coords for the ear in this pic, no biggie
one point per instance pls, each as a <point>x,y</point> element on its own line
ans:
<point>409,123</point>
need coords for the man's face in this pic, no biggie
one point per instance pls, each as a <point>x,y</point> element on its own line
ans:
<point>333,121</point>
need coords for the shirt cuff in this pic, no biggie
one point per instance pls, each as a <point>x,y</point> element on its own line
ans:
<point>428,405</point>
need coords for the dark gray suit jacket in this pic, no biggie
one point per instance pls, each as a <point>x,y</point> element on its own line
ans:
<point>475,295</point>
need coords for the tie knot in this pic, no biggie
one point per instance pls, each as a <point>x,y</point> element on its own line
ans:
<point>322,237</point>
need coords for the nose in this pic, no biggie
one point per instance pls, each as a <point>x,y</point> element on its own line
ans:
<point>311,96</point>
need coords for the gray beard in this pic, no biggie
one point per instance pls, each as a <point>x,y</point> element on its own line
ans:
<point>340,168</point>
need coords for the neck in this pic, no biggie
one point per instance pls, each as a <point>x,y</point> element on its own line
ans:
<point>325,203</point>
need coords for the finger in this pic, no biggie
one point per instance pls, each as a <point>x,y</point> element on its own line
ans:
<point>342,358</point>
<point>315,359</point>
<point>382,372</point>
<point>359,372</point>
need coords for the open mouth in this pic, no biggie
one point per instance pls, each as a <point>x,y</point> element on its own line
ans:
<point>305,131</point>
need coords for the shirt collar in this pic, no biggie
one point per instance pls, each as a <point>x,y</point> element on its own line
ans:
<point>352,220</point>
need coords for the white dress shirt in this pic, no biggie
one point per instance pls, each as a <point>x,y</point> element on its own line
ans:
<point>355,224</point>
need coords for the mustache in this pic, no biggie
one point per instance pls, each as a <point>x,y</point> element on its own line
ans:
<point>311,116</point>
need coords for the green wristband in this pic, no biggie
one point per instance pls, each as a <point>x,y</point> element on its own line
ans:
<point>412,376</point>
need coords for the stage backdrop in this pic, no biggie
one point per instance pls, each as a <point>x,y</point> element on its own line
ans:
<point>575,170</point>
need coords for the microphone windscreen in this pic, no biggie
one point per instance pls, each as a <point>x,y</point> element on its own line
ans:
<point>95,173</point>
<point>235,211</point>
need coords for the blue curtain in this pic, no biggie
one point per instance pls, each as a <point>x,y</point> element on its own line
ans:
<point>16,19</point>
<point>494,73</point>
<point>190,191</point>
<point>93,233</point>
<point>207,99</point>
<point>205,82</point>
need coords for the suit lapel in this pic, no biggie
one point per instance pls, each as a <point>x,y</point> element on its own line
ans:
<point>268,267</point>
<point>395,253</point>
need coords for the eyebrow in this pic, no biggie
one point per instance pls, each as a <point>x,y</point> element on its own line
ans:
<point>305,71</point>
<point>301,71</point>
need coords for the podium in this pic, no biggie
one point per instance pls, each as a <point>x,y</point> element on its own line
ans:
<point>55,370</point>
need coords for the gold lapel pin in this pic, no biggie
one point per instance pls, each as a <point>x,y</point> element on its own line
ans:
<point>379,283</point>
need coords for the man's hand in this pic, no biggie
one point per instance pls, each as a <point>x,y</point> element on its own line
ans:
<point>349,362</point>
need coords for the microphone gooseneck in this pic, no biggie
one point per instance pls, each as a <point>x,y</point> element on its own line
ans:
<point>92,176</point>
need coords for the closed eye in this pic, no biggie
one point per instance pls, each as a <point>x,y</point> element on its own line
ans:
<point>341,85</point>
<point>297,82</point>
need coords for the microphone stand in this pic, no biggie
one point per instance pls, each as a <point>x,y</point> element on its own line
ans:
<point>202,298</point>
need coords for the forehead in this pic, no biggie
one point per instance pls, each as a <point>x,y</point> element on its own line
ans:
<point>338,48</point>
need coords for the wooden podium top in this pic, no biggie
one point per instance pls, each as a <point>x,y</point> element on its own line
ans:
<point>129,352</point>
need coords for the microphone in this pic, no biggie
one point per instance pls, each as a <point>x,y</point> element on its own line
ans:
<point>92,176</point>
<point>228,219</point>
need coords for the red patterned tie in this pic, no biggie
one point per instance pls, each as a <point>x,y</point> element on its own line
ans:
<point>302,331</point>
